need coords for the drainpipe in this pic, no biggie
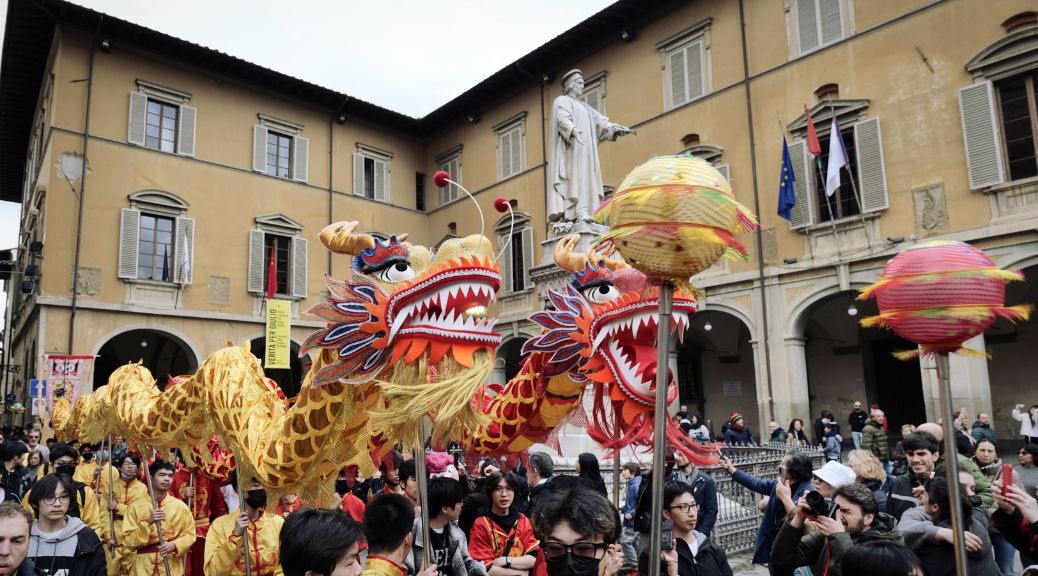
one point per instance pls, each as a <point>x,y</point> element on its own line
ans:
<point>331,165</point>
<point>756,209</point>
<point>82,186</point>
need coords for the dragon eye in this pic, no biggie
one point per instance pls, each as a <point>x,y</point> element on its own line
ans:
<point>398,272</point>
<point>601,294</point>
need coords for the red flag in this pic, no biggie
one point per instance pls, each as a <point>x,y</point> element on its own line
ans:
<point>272,274</point>
<point>813,145</point>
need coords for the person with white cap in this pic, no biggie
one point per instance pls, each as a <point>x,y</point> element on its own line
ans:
<point>831,477</point>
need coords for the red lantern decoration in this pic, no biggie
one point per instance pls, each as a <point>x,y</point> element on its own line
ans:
<point>940,294</point>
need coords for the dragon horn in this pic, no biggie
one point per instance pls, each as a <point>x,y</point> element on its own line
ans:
<point>339,237</point>
<point>566,258</point>
<point>603,252</point>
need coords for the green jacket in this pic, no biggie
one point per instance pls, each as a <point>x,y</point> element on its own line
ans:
<point>987,497</point>
<point>793,549</point>
<point>874,439</point>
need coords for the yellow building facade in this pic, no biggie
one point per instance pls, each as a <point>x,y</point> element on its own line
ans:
<point>198,166</point>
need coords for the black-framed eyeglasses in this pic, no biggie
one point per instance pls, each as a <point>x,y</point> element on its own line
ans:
<point>684,508</point>
<point>586,549</point>
<point>55,499</point>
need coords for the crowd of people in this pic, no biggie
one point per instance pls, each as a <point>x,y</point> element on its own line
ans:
<point>71,510</point>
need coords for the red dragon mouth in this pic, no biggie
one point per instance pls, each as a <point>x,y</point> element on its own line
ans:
<point>626,338</point>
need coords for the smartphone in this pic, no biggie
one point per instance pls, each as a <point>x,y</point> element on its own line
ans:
<point>1007,478</point>
<point>667,535</point>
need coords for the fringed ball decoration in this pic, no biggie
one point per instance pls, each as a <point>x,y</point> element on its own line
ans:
<point>940,294</point>
<point>673,217</point>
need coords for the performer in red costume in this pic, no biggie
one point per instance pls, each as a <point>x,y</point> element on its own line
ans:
<point>206,502</point>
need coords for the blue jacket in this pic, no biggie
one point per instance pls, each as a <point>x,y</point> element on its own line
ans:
<point>774,514</point>
<point>732,436</point>
<point>631,501</point>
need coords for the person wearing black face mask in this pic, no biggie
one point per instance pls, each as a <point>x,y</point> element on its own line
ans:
<point>578,529</point>
<point>224,548</point>
<point>83,505</point>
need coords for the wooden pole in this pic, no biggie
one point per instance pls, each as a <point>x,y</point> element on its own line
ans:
<point>423,487</point>
<point>111,494</point>
<point>958,523</point>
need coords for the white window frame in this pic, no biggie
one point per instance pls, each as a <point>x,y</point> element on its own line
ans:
<point>595,85</point>
<point>187,116</point>
<point>450,162</point>
<point>258,256</point>
<point>156,203</point>
<point>507,132</point>
<point>696,37</point>
<point>382,164</point>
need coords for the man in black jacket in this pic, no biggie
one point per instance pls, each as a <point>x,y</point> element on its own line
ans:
<point>692,552</point>
<point>857,420</point>
<point>703,490</point>
<point>922,451</point>
<point>857,520</point>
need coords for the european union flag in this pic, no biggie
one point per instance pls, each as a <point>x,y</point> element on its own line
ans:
<point>787,196</point>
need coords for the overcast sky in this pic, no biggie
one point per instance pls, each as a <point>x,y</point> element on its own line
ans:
<point>411,56</point>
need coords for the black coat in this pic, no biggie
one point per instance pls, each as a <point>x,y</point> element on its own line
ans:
<point>710,561</point>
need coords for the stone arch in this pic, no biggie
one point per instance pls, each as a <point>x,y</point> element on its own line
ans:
<point>741,313</point>
<point>164,351</point>
<point>796,318</point>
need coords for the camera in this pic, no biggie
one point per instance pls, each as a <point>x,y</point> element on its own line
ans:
<point>820,506</point>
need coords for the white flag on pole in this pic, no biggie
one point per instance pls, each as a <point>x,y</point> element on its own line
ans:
<point>837,159</point>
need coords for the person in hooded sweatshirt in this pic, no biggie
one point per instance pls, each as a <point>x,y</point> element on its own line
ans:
<point>59,543</point>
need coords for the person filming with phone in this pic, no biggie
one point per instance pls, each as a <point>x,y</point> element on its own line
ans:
<point>685,550</point>
<point>852,518</point>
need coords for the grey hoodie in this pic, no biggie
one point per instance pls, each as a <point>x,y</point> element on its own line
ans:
<point>55,555</point>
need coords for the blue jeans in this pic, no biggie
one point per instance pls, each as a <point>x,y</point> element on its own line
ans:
<point>857,436</point>
<point>629,543</point>
<point>1005,554</point>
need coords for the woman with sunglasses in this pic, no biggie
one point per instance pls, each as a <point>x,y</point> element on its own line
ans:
<point>1026,474</point>
<point>691,552</point>
<point>579,530</point>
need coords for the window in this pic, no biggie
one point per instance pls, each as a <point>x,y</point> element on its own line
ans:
<point>161,130</point>
<point>843,203</point>
<point>594,92</point>
<point>686,64</point>
<point>419,191</point>
<point>283,235</point>
<point>450,162</point>
<point>818,22</point>
<point>863,143</point>
<point>156,240</point>
<point>510,146</point>
<point>1000,111</point>
<point>279,154</point>
<point>279,150</point>
<point>160,119</point>
<point>155,248</point>
<point>371,171</point>
<point>517,259</point>
<point>1018,108</point>
<point>280,248</point>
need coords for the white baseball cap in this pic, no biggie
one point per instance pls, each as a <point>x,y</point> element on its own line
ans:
<point>836,475</point>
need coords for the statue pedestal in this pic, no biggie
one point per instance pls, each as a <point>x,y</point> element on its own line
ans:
<point>546,275</point>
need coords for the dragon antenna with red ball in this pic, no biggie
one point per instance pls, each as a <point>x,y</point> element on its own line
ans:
<point>442,179</point>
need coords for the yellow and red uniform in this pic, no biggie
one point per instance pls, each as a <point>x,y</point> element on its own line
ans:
<point>207,503</point>
<point>353,506</point>
<point>140,539</point>
<point>225,552</point>
<point>85,473</point>
<point>124,493</point>
<point>487,539</point>
<point>382,566</point>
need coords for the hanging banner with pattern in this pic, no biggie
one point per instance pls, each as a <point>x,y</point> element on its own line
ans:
<point>64,374</point>
<point>279,315</point>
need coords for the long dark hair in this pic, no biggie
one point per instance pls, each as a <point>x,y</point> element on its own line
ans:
<point>589,467</point>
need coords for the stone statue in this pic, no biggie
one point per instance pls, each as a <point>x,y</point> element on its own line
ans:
<point>574,174</point>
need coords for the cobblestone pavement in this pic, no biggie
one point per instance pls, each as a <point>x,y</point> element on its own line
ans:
<point>741,564</point>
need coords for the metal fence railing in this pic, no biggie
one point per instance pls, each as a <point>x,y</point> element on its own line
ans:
<point>739,514</point>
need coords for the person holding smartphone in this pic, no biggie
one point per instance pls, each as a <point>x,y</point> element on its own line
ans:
<point>690,552</point>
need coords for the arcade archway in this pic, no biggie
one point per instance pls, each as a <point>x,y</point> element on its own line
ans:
<point>715,370</point>
<point>1013,364</point>
<point>512,354</point>
<point>162,353</point>
<point>846,363</point>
